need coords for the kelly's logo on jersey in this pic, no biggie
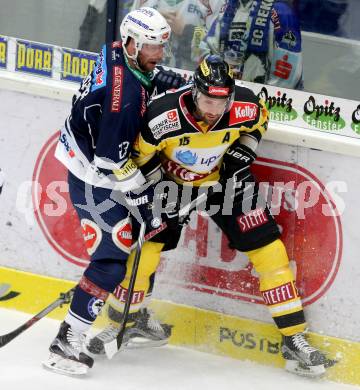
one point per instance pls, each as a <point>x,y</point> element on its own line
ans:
<point>355,125</point>
<point>3,52</point>
<point>242,112</point>
<point>323,116</point>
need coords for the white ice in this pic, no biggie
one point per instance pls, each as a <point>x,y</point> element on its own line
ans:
<point>164,368</point>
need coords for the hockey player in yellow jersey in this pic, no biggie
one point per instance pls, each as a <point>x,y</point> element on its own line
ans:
<point>207,133</point>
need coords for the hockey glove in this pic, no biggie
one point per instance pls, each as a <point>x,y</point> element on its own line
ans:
<point>141,206</point>
<point>154,206</point>
<point>167,79</point>
<point>235,169</point>
<point>236,162</point>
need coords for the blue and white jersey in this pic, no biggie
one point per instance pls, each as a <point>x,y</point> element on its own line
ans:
<point>95,143</point>
<point>261,40</point>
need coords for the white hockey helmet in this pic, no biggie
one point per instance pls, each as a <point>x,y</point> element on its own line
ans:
<point>146,26</point>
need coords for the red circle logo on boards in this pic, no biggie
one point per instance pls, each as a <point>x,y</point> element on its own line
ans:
<point>313,238</point>
<point>57,218</point>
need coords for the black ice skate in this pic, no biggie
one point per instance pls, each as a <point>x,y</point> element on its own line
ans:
<point>143,330</point>
<point>302,358</point>
<point>66,353</point>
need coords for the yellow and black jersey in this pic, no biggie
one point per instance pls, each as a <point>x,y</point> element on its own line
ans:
<point>190,151</point>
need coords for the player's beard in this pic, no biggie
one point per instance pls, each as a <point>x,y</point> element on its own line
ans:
<point>208,118</point>
<point>148,64</point>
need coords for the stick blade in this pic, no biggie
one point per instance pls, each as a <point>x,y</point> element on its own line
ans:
<point>111,349</point>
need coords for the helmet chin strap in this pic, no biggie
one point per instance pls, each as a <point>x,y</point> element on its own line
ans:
<point>134,58</point>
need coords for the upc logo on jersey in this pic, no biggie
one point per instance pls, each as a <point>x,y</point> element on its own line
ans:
<point>242,112</point>
<point>186,157</point>
<point>165,123</point>
<point>219,91</point>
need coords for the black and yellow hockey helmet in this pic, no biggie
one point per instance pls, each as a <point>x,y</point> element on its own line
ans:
<point>214,78</point>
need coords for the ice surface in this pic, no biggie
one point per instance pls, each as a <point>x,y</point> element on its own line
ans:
<point>165,368</point>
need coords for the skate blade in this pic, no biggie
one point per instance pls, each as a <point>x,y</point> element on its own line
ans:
<point>111,348</point>
<point>140,342</point>
<point>64,366</point>
<point>298,368</point>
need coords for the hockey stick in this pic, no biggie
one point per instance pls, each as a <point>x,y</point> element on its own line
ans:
<point>64,298</point>
<point>112,347</point>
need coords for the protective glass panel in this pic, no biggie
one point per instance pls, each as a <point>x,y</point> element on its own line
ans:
<point>76,24</point>
<point>301,44</point>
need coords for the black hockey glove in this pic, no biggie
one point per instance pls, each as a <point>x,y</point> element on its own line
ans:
<point>237,161</point>
<point>154,206</point>
<point>167,79</point>
<point>141,206</point>
<point>235,169</point>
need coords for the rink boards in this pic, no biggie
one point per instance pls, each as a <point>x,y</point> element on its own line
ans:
<point>194,328</point>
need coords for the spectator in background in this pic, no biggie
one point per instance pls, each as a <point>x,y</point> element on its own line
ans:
<point>189,21</point>
<point>92,29</point>
<point>261,40</point>
<point>323,16</point>
<point>124,7</point>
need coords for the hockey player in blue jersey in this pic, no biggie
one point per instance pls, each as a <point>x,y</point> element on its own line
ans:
<point>261,40</point>
<point>95,146</point>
